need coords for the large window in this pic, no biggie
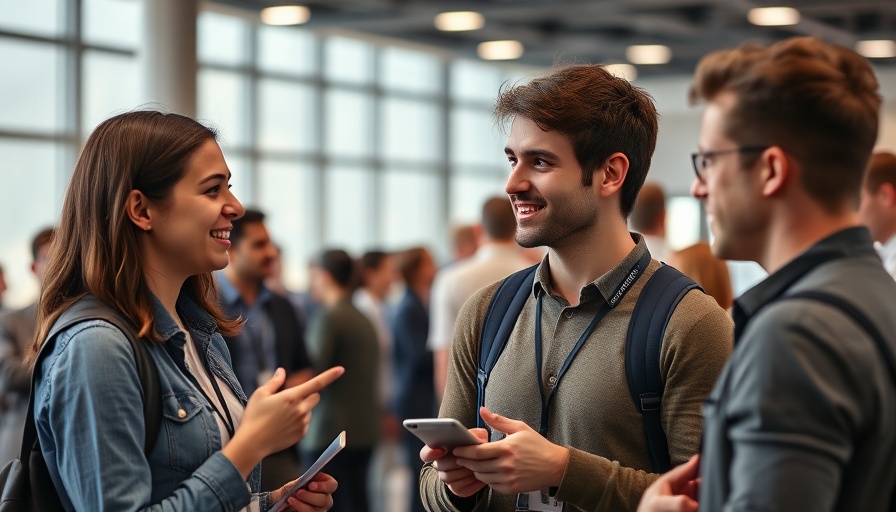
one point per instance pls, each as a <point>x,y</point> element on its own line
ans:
<point>342,141</point>
<point>59,80</point>
<point>348,143</point>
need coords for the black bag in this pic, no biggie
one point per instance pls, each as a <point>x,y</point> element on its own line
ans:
<point>25,482</point>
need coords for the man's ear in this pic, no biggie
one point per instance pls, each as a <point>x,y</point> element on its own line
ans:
<point>887,194</point>
<point>138,209</point>
<point>614,173</point>
<point>777,169</point>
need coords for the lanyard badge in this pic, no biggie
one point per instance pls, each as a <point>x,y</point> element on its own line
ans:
<point>539,501</point>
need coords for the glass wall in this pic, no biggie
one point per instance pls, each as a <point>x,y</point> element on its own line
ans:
<point>67,64</point>
<point>349,143</point>
<point>341,141</point>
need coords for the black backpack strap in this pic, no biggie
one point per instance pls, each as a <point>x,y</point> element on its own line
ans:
<point>656,303</point>
<point>867,325</point>
<point>500,318</point>
<point>91,308</point>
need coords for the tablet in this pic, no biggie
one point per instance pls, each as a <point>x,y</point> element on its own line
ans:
<point>334,448</point>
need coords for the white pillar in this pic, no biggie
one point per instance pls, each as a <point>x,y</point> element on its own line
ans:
<point>169,60</point>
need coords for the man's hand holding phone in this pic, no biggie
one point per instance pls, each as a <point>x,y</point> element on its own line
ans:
<point>459,480</point>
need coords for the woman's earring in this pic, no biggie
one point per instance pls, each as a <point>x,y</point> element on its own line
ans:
<point>147,228</point>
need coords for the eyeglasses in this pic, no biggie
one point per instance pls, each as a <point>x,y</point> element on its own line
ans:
<point>700,159</point>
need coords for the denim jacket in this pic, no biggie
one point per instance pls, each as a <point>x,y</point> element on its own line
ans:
<point>90,423</point>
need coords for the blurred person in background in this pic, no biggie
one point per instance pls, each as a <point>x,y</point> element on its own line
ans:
<point>272,336</point>
<point>2,287</point>
<point>877,207</point>
<point>376,270</point>
<point>711,273</point>
<point>649,219</point>
<point>415,395</point>
<point>498,256</point>
<point>340,334</point>
<point>464,242</point>
<point>17,328</point>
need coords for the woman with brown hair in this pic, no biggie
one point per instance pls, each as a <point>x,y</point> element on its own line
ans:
<point>145,220</point>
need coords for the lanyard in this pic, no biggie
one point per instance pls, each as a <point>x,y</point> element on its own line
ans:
<point>228,420</point>
<point>605,308</point>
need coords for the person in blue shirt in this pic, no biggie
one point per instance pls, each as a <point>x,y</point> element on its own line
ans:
<point>145,221</point>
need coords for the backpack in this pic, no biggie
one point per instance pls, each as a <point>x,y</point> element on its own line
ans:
<point>25,482</point>
<point>658,299</point>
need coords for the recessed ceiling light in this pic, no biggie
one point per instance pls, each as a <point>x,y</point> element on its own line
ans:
<point>626,71</point>
<point>458,21</point>
<point>877,49</point>
<point>285,15</point>
<point>500,50</point>
<point>648,54</point>
<point>773,16</point>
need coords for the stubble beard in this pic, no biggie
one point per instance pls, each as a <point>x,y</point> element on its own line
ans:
<point>552,231</point>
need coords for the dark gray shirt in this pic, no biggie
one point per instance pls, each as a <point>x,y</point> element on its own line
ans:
<point>804,414</point>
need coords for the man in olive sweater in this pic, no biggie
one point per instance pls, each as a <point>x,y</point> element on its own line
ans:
<point>579,149</point>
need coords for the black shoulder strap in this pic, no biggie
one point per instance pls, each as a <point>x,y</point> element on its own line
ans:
<point>500,318</point>
<point>867,325</point>
<point>643,345</point>
<point>858,317</point>
<point>91,308</point>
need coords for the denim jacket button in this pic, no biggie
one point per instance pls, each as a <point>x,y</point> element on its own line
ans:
<point>181,413</point>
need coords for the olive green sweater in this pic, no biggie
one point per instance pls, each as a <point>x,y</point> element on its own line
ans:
<point>592,412</point>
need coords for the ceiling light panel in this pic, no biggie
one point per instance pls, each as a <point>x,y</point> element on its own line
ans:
<point>459,21</point>
<point>500,50</point>
<point>285,15</point>
<point>773,16</point>
<point>877,49</point>
<point>648,54</point>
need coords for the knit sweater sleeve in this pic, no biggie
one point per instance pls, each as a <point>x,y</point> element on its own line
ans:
<point>460,401</point>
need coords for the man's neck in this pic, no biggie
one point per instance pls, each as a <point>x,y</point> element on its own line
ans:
<point>574,266</point>
<point>794,234</point>
<point>249,289</point>
<point>331,296</point>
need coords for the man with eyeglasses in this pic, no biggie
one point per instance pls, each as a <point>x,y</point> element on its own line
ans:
<point>804,414</point>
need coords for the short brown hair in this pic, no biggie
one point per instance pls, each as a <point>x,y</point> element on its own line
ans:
<point>881,169</point>
<point>600,113</point>
<point>817,101</point>
<point>409,261</point>
<point>650,208</point>
<point>498,220</point>
<point>41,240</point>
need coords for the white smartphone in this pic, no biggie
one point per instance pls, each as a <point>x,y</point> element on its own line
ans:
<point>335,447</point>
<point>447,433</point>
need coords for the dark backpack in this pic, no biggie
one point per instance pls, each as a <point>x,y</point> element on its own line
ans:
<point>658,299</point>
<point>25,482</point>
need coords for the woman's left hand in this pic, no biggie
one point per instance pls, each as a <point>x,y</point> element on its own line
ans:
<point>317,496</point>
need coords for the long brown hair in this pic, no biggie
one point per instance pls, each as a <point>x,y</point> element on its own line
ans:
<point>95,249</point>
